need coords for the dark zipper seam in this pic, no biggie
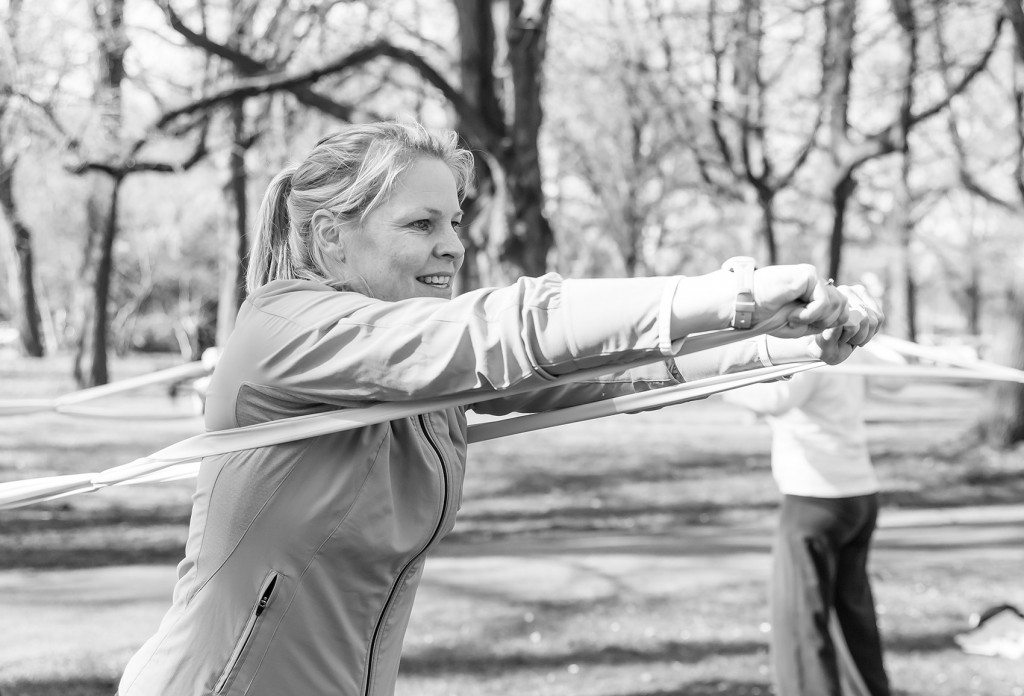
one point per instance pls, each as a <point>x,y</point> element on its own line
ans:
<point>399,580</point>
<point>248,632</point>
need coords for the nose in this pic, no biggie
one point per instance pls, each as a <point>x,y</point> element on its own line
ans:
<point>450,247</point>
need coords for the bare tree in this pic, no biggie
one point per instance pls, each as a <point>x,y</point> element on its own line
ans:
<point>110,172</point>
<point>738,116</point>
<point>508,137</point>
<point>620,156</point>
<point>847,151</point>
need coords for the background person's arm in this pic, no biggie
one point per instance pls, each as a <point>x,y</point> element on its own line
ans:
<point>774,398</point>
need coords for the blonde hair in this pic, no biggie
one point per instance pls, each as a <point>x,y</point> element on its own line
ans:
<point>347,174</point>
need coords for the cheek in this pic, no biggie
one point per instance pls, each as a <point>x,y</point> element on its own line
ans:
<point>408,258</point>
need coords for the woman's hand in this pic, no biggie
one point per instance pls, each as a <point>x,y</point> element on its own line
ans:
<point>811,305</point>
<point>835,345</point>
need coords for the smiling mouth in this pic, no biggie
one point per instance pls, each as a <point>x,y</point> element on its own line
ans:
<point>442,282</point>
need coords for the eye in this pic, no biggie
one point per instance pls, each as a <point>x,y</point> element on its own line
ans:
<point>457,225</point>
<point>425,224</point>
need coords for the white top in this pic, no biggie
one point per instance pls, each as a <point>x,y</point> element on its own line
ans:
<point>819,442</point>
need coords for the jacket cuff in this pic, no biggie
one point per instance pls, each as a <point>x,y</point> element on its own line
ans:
<point>666,345</point>
<point>762,351</point>
<point>619,316</point>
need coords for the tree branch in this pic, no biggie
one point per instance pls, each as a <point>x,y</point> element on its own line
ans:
<point>250,66</point>
<point>130,165</point>
<point>265,84</point>
<point>964,174</point>
<point>885,140</point>
<point>716,102</point>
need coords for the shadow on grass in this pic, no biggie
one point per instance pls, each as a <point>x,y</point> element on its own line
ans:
<point>59,517</point>
<point>920,643</point>
<point>721,688</point>
<point>457,660</point>
<point>712,688</point>
<point>655,469</point>
<point>73,687</point>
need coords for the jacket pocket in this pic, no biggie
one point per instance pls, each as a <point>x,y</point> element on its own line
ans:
<point>251,626</point>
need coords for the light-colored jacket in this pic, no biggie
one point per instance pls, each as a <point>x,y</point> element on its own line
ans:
<point>819,438</point>
<point>303,558</point>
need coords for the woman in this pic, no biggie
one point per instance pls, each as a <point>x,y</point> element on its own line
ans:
<point>303,558</point>
<point>827,517</point>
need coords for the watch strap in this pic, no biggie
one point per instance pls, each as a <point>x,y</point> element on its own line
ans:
<point>744,305</point>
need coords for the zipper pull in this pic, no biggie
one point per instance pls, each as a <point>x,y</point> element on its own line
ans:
<point>265,599</point>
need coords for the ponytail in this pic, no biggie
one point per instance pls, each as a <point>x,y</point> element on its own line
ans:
<point>270,255</point>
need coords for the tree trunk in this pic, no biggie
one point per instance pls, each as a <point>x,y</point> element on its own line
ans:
<point>236,242</point>
<point>972,294</point>
<point>903,225</point>
<point>23,289</point>
<point>476,74</point>
<point>766,202</point>
<point>837,67</point>
<point>98,373</point>
<point>841,194</point>
<point>1003,425</point>
<point>96,215</point>
<point>112,41</point>
<point>530,237</point>
<point>29,321</point>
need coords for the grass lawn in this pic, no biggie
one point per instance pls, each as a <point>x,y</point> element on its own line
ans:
<point>622,557</point>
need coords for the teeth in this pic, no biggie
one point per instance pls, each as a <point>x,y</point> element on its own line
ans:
<point>434,280</point>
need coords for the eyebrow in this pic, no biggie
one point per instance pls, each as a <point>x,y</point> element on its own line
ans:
<point>415,210</point>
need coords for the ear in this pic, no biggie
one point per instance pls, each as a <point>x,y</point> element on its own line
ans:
<point>327,234</point>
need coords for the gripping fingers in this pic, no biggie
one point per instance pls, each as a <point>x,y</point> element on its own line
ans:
<point>827,308</point>
<point>832,346</point>
<point>865,316</point>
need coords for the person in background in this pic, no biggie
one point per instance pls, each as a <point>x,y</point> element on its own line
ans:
<point>827,517</point>
<point>303,558</point>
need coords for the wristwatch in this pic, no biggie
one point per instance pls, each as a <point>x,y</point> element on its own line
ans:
<point>743,308</point>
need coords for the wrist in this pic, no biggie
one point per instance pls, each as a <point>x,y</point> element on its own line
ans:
<point>743,306</point>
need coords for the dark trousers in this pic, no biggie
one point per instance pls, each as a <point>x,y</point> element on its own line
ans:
<point>820,567</point>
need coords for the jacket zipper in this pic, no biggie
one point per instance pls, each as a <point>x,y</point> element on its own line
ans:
<point>419,554</point>
<point>247,633</point>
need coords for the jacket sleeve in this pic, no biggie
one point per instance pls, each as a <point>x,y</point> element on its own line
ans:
<point>340,347</point>
<point>735,357</point>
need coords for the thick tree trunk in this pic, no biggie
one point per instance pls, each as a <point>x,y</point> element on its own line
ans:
<point>476,76</point>
<point>29,320</point>
<point>236,241</point>
<point>483,219</point>
<point>530,238</point>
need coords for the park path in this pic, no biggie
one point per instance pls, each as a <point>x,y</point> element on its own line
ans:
<point>87,621</point>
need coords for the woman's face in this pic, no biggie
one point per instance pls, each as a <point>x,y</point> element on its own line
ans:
<point>409,245</point>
